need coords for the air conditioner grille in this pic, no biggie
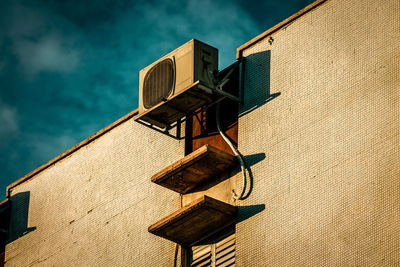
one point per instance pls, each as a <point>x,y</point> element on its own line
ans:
<point>158,83</point>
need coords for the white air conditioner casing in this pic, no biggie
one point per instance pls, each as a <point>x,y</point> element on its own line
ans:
<point>192,63</point>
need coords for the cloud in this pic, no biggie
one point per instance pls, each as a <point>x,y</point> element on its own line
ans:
<point>161,26</point>
<point>47,54</point>
<point>8,120</point>
<point>41,40</point>
<point>71,67</point>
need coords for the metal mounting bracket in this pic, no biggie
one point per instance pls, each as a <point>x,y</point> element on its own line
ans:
<point>177,125</point>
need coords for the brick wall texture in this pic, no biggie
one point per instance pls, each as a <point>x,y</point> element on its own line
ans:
<point>319,128</point>
<point>93,208</point>
<point>322,103</point>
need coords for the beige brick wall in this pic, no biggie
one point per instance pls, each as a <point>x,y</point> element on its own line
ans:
<point>324,155</point>
<point>330,180</point>
<point>93,208</point>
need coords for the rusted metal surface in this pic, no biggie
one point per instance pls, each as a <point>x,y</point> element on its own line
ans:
<point>205,131</point>
<point>195,221</point>
<point>277,27</point>
<point>201,128</point>
<point>72,150</point>
<point>195,169</point>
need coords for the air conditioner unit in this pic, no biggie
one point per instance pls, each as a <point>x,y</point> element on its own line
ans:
<point>178,83</point>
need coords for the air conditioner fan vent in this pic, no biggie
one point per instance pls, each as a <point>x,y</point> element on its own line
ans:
<point>158,83</point>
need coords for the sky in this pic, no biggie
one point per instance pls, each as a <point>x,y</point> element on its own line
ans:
<point>70,68</point>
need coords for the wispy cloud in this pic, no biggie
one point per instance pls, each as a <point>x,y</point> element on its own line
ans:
<point>8,121</point>
<point>39,44</point>
<point>71,67</point>
<point>161,26</point>
<point>47,54</point>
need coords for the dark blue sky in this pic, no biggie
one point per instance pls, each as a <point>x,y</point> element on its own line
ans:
<point>69,68</point>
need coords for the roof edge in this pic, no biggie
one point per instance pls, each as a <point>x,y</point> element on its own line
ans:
<point>85,142</point>
<point>135,112</point>
<point>277,27</point>
<point>4,202</point>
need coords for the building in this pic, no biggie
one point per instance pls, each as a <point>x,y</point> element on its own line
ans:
<point>319,130</point>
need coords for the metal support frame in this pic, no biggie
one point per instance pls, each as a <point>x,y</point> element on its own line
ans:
<point>166,131</point>
<point>241,80</point>
<point>228,95</point>
<point>218,90</point>
<point>200,120</point>
<point>225,79</point>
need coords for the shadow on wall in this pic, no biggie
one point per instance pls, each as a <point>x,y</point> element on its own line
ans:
<point>257,81</point>
<point>4,222</point>
<point>249,161</point>
<point>19,216</point>
<point>253,159</point>
<point>245,212</point>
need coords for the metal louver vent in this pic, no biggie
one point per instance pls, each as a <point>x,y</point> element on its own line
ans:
<point>201,256</point>
<point>158,83</point>
<point>220,254</point>
<point>225,252</point>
